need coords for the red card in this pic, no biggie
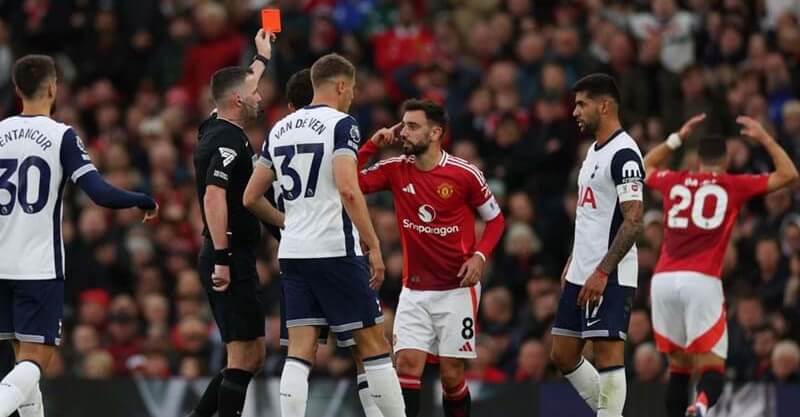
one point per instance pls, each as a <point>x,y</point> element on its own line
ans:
<point>271,20</point>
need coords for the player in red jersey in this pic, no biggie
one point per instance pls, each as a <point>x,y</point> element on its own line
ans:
<point>700,209</point>
<point>436,196</point>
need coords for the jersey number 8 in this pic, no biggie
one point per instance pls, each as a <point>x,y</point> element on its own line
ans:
<point>684,195</point>
<point>9,167</point>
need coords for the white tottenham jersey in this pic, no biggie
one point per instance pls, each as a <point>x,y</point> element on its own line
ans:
<point>610,175</point>
<point>37,157</point>
<point>301,148</point>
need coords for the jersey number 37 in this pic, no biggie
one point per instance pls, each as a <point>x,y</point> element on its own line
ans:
<point>678,216</point>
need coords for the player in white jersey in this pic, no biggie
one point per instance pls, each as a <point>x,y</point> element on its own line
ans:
<point>37,157</point>
<point>600,277</point>
<point>325,279</point>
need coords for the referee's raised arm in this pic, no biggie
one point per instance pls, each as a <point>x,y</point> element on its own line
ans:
<point>227,263</point>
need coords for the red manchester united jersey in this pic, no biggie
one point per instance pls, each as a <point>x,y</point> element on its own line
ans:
<point>700,209</point>
<point>435,214</point>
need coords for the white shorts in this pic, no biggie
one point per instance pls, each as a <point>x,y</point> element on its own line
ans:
<point>442,323</point>
<point>689,313</point>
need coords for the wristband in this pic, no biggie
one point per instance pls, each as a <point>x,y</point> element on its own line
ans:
<point>222,257</point>
<point>264,60</point>
<point>674,141</point>
<point>481,255</point>
<point>601,272</point>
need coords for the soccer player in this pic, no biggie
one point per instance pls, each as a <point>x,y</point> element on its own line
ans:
<point>435,196</point>
<point>223,163</point>
<point>700,209</point>
<point>299,93</point>
<point>37,157</point>
<point>325,279</point>
<point>601,275</point>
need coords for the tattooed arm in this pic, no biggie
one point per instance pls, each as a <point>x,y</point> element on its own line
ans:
<point>632,226</point>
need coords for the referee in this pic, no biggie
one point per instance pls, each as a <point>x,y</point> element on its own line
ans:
<point>223,162</point>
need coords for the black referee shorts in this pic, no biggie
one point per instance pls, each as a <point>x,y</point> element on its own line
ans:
<point>237,310</point>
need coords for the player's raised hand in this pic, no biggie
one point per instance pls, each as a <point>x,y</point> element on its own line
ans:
<point>593,288</point>
<point>221,277</point>
<point>688,127</point>
<point>150,215</point>
<point>752,128</point>
<point>471,271</point>
<point>263,42</point>
<point>387,135</point>
<point>377,268</point>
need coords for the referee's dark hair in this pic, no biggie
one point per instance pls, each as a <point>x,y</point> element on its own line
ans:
<point>598,84</point>
<point>329,67</point>
<point>299,91</point>
<point>31,72</point>
<point>435,113</point>
<point>712,150</point>
<point>225,80</point>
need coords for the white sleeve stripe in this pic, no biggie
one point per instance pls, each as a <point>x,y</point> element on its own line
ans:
<point>489,210</point>
<point>264,161</point>
<point>476,174</point>
<point>345,152</point>
<point>464,164</point>
<point>82,171</point>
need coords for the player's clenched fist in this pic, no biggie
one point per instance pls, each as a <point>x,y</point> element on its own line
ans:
<point>221,278</point>
<point>593,288</point>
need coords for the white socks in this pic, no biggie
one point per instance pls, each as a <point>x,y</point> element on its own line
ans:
<point>17,386</point>
<point>32,406</point>
<point>586,381</point>
<point>384,385</point>
<point>365,395</point>
<point>613,389</point>
<point>294,387</point>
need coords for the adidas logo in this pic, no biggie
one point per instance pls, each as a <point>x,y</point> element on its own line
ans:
<point>229,155</point>
<point>467,347</point>
<point>409,189</point>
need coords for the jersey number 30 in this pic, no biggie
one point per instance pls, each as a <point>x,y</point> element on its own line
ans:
<point>288,152</point>
<point>20,191</point>
<point>677,220</point>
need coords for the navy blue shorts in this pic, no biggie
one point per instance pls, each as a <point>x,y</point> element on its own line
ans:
<point>32,310</point>
<point>608,320</point>
<point>343,339</point>
<point>331,292</point>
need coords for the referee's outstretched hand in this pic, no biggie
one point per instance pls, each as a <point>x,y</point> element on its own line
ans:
<point>263,42</point>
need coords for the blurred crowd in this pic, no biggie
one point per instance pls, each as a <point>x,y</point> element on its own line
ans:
<point>134,79</point>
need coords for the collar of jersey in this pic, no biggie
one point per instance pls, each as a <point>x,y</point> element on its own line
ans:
<point>315,106</point>
<point>613,135</point>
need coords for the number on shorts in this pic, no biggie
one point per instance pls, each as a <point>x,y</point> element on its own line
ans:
<point>467,332</point>
<point>591,313</point>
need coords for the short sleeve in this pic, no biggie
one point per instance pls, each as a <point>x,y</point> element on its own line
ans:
<point>223,161</point>
<point>749,185</point>
<point>346,137</point>
<point>264,158</point>
<point>74,157</point>
<point>627,172</point>
<point>661,180</point>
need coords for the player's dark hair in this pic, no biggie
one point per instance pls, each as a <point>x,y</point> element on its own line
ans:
<point>224,80</point>
<point>331,66</point>
<point>596,85</point>
<point>435,113</point>
<point>31,72</point>
<point>712,149</point>
<point>299,91</point>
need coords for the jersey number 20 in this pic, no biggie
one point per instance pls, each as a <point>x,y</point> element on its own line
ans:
<point>676,220</point>
<point>20,191</point>
<point>288,152</point>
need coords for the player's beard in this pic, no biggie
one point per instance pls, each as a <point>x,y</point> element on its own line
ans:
<point>410,149</point>
<point>251,113</point>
